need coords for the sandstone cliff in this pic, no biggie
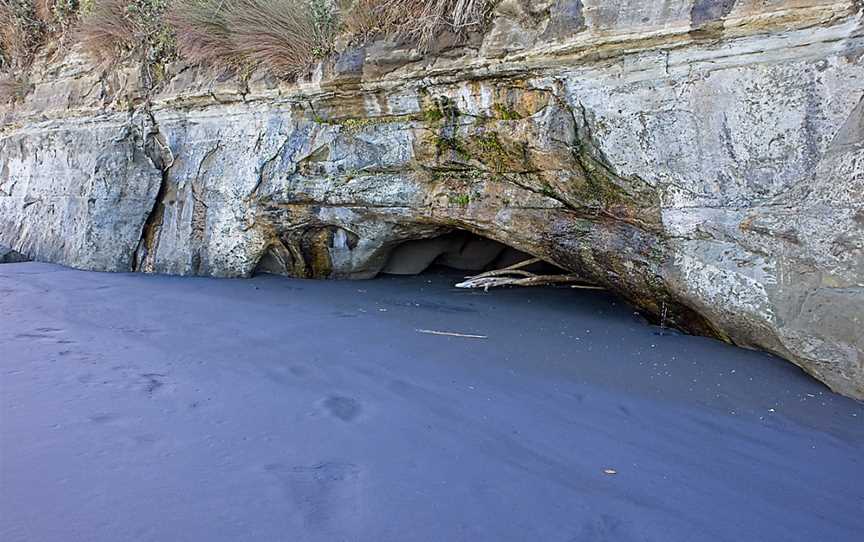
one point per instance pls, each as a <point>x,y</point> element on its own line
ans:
<point>703,158</point>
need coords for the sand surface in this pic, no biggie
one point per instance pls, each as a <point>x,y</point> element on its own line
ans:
<point>154,408</point>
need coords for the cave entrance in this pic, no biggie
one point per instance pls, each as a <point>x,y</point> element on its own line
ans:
<point>481,262</point>
<point>487,262</point>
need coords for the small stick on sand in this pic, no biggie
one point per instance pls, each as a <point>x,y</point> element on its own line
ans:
<point>451,334</point>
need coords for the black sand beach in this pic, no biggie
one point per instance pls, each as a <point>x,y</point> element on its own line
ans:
<point>138,407</point>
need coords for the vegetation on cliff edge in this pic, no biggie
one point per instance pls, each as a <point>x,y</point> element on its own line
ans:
<point>283,37</point>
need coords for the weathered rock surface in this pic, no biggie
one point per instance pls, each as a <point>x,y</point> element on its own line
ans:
<point>705,159</point>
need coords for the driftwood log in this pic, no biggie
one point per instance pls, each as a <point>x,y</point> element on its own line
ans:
<point>515,275</point>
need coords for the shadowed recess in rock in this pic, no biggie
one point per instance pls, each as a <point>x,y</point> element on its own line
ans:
<point>457,250</point>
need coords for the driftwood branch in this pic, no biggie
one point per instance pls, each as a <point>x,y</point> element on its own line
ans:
<point>515,275</point>
<point>452,334</point>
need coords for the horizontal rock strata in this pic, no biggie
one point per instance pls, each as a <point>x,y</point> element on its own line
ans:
<point>704,159</point>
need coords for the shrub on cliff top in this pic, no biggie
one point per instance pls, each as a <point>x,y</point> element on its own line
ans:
<point>105,30</point>
<point>284,37</point>
<point>202,32</point>
<point>21,32</point>
<point>287,36</point>
<point>25,24</point>
<point>112,29</point>
<point>417,20</point>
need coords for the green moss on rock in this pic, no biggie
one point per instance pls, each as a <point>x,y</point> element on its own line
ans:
<point>503,112</point>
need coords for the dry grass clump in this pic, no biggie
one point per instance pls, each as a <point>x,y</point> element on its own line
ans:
<point>21,32</point>
<point>364,19</point>
<point>25,25</point>
<point>284,37</point>
<point>418,20</point>
<point>105,30</point>
<point>458,16</point>
<point>201,31</point>
<point>112,29</point>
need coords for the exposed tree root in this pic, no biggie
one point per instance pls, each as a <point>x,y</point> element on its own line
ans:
<point>515,275</point>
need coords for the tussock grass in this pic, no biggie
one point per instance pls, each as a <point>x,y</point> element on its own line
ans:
<point>109,30</point>
<point>21,32</point>
<point>364,19</point>
<point>202,31</point>
<point>457,16</point>
<point>25,25</point>
<point>105,30</point>
<point>284,37</point>
<point>294,33</point>
<point>418,20</point>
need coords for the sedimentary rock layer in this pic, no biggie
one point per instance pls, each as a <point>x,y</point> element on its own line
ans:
<point>702,158</point>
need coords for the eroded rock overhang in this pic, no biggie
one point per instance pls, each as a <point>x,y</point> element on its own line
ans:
<point>703,160</point>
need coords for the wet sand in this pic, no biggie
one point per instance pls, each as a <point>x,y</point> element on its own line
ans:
<point>140,407</point>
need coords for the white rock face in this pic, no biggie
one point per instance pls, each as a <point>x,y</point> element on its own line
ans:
<point>76,192</point>
<point>703,158</point>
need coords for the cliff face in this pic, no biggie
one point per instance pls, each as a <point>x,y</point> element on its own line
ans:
<point>703,158</point>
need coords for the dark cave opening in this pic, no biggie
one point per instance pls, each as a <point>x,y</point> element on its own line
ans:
<point>459,251</point>
<point>334,253</point>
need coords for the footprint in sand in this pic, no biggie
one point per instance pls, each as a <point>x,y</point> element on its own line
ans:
<point>343,408</point>
<point>327,495</point>
<point>153,382</point>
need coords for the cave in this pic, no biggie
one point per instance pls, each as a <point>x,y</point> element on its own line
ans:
<point>332,252</point>
<point>459,251</point>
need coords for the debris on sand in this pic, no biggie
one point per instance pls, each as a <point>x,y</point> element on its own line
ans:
<point>452,334</point>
